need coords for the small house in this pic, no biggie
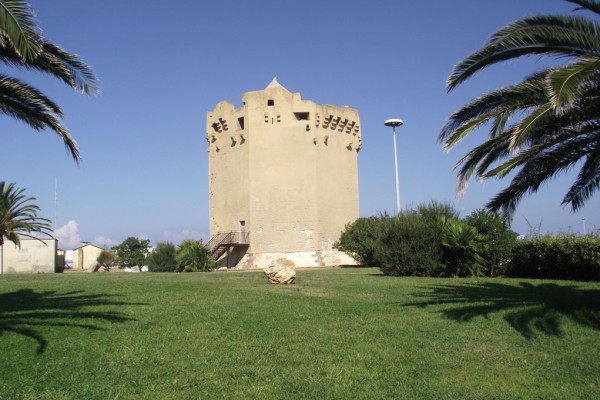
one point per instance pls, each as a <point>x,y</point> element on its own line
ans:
<point>84,257</point>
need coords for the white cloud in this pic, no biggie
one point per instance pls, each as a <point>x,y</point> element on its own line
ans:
<point>105,242</point>
<point>69,238</point>
<point>68,235</point>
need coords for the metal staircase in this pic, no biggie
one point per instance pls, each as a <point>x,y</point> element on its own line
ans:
<point>223,241</point>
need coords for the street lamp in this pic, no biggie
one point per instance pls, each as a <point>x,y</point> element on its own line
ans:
<point>394,122</point>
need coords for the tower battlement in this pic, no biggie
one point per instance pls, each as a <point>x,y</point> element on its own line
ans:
<point>227,126</point>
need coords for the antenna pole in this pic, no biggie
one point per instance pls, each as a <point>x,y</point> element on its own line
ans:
<point>55,203</point>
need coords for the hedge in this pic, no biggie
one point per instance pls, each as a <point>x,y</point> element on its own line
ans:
<point>557,257</point>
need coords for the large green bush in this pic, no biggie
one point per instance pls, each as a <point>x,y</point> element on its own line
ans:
<point>410,245</point>
<point>361,239</point>
<point>162,259</point>
<point>500,240</point>
<point>557,257</point>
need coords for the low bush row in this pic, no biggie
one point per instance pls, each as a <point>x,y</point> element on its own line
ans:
<point>557,257</point>
<point>190,256</point>
<point>432,240</point>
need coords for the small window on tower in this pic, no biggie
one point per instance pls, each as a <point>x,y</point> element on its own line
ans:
<point>302,116</point>
<point>270,102</point>
<point>241,122</point>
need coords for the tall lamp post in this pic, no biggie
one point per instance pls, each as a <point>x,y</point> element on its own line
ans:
<point>394,122</point>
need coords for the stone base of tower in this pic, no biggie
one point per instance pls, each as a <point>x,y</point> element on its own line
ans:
<point>306,259</point>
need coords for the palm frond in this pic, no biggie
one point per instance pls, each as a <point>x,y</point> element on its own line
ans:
<point>556,111</point>
<point>525,126</point>
<point>526,156</point>
<point>537,170</point>
<point>27,104</point>
<point>499,103</point>
<point>69,68</point>
<point>564,83</point>
<point>591,5</point>
<point>588,179</point>
<point>53,60</point>
<point>492,149</point>
<point>464,130</point>
<point>546,35</point>
<point>499,123</point>
<point>17,21</point>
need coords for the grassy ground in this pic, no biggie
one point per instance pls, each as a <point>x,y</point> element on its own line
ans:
<point>336,334</point>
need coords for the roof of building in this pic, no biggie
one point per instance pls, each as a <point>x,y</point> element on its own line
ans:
<point>274,84</point>
<point>88,244</point>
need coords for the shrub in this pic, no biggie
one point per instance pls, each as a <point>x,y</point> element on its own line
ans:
<point>106,259</point>
<point>434,210</point>
<point>557,257</point>
<point>361,238</point>
<point>162,259</point>
<point>192,256</point>
<point>463,247</point>
<point>431,241</point>
<point>500,240</point>
<point>410,245</point>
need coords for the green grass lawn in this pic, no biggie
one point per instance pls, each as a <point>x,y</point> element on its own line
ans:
<point>335,334</point>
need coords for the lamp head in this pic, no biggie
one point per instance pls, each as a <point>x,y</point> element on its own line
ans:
<point>393,122</point>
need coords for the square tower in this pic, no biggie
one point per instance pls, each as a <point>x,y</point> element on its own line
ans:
<point>283,179</point>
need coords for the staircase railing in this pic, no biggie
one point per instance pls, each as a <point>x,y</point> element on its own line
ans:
<point>219,243</point>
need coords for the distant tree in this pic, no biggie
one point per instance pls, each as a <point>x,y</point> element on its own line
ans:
<point>162,259</point>
<point>23,46</point>
<point>106,259</point>
<point>193,256</point>
<point>542,126</point>
<point>18,215</point>
<point>132,252</point>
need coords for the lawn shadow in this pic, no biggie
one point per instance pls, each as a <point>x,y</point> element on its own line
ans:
<point>26,312</point>
<point>527,307</point>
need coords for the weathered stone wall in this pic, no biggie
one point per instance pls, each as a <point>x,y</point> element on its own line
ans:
<point>306,259</point>
<point>34,256</point>
<point>228,168</point>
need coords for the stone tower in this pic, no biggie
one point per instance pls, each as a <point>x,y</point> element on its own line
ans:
<point>283,179</point>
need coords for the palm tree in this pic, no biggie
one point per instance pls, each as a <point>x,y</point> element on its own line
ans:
<point>463,247</point>
<point>23,46</point>
<point>193,256</point>
<point>18,215</point>
<point>542,126</point>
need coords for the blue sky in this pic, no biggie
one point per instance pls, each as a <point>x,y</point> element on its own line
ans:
<point>163,65</point>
